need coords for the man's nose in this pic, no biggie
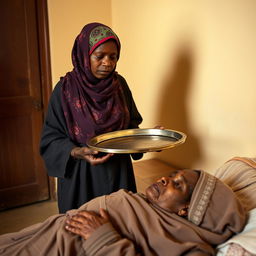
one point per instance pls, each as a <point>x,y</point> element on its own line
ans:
<point>164,180</point>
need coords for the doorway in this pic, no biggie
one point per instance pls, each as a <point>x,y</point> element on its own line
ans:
<point>25,86</point>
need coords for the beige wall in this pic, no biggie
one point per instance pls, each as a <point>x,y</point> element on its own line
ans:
<point>190,64</point>
<point>66,20</point>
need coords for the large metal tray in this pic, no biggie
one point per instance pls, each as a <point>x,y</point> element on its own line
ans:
<point>137,140</point>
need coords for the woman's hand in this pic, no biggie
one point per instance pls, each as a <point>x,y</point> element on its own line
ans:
<point>159,127</point>
<point>84,223</point>
<point>89,155</point>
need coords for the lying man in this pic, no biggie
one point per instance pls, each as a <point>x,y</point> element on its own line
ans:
<point>187,213</point>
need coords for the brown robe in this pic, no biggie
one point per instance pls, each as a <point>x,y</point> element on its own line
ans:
<point>138,228</point>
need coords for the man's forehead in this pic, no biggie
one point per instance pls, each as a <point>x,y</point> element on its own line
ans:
<point>190,175</point>
<point>187,170</point>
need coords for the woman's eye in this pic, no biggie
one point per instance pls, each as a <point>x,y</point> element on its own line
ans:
<point>113,58</point>
<point>98,57</point>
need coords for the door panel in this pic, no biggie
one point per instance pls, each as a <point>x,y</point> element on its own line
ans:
<point>23,178</point>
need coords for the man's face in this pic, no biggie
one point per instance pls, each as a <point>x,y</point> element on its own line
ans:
<point>103,59</point>
<point>173,192</point>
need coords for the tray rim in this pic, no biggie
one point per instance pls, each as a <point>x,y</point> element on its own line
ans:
<point>92,143</point>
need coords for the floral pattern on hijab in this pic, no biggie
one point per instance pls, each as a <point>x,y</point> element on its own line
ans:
<point>100,35</point>
<point>92,106</point>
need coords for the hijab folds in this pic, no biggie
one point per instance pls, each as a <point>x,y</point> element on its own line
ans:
<point>92,106</point>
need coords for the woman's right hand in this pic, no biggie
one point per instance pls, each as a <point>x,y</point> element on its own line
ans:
<point>89,155</point>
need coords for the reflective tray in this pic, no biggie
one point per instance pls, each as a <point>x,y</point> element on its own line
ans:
<point>137,140</point>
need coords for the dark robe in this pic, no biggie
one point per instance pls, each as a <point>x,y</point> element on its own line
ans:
<point>78,180</point>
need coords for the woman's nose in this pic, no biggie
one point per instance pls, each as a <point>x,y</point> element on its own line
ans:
<point>106,61</point>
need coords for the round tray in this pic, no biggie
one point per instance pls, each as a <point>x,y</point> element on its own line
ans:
<point>136,141</point>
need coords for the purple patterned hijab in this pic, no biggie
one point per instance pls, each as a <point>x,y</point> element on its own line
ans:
<point>92,106</point>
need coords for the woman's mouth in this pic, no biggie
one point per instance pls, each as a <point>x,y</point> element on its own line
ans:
<point>104,71</point>
<point>103,74</point>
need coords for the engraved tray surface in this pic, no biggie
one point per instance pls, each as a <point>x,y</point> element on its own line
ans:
<point>137,140</point>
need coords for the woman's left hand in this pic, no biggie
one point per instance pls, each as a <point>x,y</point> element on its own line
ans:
<point>159,127</point>
<point>97,159</point>
<point>84,223</point>
<point>92,156</point>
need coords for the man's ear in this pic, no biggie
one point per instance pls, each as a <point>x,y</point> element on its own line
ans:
<point>183,212</point>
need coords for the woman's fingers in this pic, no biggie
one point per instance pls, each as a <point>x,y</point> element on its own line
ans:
<point>90,155</point>
<point>89,151</point>
<point>159,127</point>
<point>94,160</point>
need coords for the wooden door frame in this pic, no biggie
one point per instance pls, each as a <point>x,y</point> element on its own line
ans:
<point>45,68</point>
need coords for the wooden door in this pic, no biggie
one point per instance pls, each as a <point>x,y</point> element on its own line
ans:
<point>23,178</point>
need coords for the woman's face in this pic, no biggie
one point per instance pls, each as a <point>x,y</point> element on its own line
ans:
<point>173,192</point>
<point>103,59</point>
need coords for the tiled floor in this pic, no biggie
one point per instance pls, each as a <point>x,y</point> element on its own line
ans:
<point>146,172</point>
<point>21,217</point>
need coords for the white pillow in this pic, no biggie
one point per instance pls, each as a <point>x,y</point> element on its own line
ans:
<point>240,174</point>
<point>246,239</point>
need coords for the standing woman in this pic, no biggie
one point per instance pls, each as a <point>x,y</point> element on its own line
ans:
<point>90,100</point>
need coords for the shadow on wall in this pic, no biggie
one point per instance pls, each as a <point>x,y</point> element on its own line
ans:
<point>173,112</point>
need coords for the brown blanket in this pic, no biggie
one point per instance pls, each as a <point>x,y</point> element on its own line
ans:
<point>138,228</point>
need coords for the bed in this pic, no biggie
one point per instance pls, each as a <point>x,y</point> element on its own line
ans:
<point>240,174</point>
